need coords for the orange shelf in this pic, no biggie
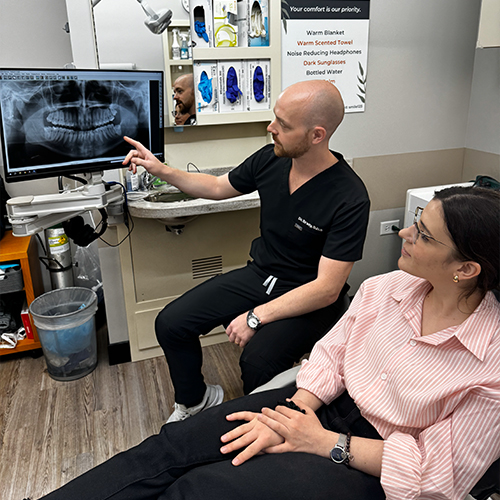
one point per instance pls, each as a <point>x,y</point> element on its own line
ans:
<point>25,251</point>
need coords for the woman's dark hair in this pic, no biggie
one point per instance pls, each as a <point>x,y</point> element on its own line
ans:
<point>472,217</point>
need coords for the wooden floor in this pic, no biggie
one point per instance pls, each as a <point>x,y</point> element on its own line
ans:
<point>51,431</point>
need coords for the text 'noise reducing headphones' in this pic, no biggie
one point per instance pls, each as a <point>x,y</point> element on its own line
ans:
<point>84,234</point>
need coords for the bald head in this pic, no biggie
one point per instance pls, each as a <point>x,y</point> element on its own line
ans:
<point>319,103</point>
<point>184,93</point>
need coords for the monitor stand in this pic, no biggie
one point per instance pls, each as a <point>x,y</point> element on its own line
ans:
<point>31,214</point>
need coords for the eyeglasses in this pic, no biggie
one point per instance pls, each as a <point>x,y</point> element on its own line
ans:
<point>425,236</point>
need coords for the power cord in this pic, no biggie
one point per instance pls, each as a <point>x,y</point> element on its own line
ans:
<point>192,164</point>
<point>126,215</point>
<point>72,177</point>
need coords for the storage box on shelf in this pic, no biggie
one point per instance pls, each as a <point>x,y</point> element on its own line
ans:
<point>270,56</point>
<point>24,250</point>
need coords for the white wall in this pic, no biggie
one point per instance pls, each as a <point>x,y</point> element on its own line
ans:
<point>483,127</point>
<point>428,89</point>
<point>32,35</point>
<point>420,67</point>
<point>122,36</point>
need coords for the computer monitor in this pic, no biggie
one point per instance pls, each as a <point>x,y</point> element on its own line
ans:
<point>70,121</point>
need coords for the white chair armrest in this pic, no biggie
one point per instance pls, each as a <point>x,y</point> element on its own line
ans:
<point>283,379</point>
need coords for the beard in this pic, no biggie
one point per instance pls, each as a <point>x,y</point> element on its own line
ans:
<point>186,105</point>
<point>295,151</point>
<point>182,107</point>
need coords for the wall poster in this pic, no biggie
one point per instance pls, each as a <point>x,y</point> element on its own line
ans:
<point>328,40</point>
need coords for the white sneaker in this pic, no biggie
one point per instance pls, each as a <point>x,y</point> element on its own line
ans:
<point>213,397</point>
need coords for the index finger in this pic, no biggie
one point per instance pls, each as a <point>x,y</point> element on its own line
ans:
<point>134,143</point>
<point>140,148</point>
<point>242,415</point>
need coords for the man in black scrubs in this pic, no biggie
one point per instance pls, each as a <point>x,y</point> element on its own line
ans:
<point>314,215</point>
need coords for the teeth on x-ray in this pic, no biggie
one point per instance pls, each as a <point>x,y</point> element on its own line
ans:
<point>82,118</point>
<point>78,119</point>
<point>86,129</point>
<point>82,139</point>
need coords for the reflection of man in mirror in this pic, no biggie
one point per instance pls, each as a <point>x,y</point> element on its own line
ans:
<point>180,117</point>
<point>184,97</point>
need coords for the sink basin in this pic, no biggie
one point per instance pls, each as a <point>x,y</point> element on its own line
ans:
<point>174,208</point>
<point>168,197</point>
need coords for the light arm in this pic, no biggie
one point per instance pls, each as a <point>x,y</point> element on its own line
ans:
<point>157,23</point>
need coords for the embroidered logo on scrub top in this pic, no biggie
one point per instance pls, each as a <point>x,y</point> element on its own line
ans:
<point>308,224</point>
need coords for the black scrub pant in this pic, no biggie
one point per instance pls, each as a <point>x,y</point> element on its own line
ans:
<point>183,461</point>
<point>274,348</point>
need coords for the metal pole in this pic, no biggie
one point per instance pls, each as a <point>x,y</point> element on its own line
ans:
<point>60,265</point>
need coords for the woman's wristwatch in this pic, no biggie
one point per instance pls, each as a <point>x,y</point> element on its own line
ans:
<point>340,452</point>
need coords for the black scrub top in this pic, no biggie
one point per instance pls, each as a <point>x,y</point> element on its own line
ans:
<point>328,215</point>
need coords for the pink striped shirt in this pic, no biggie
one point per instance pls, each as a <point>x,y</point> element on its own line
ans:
<point>434,399</point>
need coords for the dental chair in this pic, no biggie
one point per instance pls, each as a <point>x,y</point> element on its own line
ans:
<point>486,486</point>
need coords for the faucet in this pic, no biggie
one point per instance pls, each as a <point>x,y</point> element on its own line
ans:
<point>147,179</point>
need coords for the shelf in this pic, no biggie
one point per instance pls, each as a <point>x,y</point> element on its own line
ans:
<point>23,345</point>
<point>231,53</point>
<point>229,118</point>
<point>180,62</point>
<point>12,247</point>
<point>271,53</point>
<point>24,250</point>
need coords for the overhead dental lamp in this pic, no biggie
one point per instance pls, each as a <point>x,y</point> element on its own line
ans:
<point>157,23</point>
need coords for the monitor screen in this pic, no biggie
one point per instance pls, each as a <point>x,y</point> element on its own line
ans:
<point>68,121</point>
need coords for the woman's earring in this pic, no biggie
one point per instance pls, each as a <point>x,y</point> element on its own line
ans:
<point>456,279</point>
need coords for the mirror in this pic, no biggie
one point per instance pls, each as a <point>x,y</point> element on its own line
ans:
<point>184,104</point>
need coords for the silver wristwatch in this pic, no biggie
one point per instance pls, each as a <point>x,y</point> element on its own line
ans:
<point>340,452</point>
<point>253,321</point>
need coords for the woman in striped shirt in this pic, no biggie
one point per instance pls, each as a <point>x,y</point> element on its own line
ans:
<point>400,400</point>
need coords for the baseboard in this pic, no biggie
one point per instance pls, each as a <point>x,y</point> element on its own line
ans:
<point>119,353</point>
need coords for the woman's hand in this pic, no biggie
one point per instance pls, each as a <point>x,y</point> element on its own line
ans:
<point>141,156</point>
<point>301,432</point>
<point>254,436</point>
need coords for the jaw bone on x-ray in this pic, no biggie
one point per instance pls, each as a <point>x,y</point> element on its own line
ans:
<point>76,120</point>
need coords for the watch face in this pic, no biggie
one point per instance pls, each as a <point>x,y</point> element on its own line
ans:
<point>253,322</point>
<point>337,455</point>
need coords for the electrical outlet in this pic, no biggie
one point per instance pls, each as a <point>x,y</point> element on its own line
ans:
<point>386,227</point>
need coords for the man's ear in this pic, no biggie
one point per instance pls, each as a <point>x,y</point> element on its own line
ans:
<point>318,134</point>
<point>468,270</point>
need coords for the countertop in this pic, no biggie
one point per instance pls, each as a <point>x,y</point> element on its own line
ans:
<point>175,212</point>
